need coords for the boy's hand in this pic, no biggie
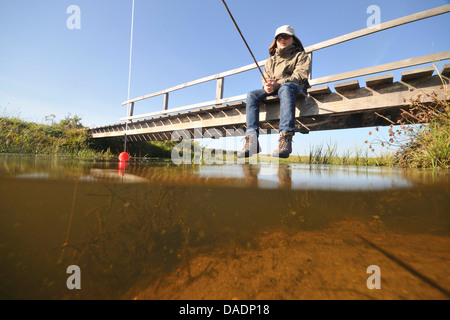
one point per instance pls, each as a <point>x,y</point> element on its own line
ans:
<point>271,86</point>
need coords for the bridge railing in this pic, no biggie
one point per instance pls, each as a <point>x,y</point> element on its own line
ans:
<point>219,78</point>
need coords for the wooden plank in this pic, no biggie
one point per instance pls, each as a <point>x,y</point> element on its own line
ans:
<point>319,90</point>
<point>174,115</point>
<point>446,70</point>
<point>431,58</point>
<point>208,109</point>
<point>223,107</point>
<point>346,86</point>
<point>409,75</point>
<point>200,111</point>
<point>383,26</point>
<point>238,104</point>
<point>186,113</point>
<point>381,80</point>
<point>270,99</point>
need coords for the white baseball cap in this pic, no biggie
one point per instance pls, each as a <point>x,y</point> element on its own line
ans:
<point>285,29</point>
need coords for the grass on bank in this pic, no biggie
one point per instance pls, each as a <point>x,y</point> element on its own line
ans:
<point>422,136</point>
<point>66,137</point>
<point>319,155</point>
<point>70,138</point>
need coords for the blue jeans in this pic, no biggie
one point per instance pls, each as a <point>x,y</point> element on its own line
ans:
<point>286,93</point>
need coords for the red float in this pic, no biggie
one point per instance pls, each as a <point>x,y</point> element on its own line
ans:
<point>124,156</point>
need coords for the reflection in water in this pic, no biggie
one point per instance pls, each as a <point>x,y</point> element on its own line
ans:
<point>158,231</point>
<point>270,176</point>
<point>317,177</point>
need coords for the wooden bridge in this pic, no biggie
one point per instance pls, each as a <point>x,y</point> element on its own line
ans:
<point>352,104</point>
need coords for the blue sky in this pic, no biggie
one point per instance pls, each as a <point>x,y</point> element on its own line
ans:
<point>46,68</point>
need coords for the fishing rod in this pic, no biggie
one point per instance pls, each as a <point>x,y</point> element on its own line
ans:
<point>248,47</point>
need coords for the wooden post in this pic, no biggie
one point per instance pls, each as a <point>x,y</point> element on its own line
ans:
<point>219,88</point>
<point>310,70</point>
<point>166,101</point>
<point>131,109</point>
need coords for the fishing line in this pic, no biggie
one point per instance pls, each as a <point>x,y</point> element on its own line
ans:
<point>129,76</point>
<point>242,36</point>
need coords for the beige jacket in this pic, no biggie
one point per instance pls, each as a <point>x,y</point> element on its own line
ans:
<point>289,65</point>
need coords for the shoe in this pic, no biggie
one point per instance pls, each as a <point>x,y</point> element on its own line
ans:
<point>251,147</point>
<point>284,145</point>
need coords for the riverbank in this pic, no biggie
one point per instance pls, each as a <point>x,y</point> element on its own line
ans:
<point>69,137</point>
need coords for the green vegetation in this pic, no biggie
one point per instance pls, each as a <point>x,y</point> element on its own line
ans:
<point>321,155</point>
<point>69,137</point>
<point>421,136</point>
<point>66,137</point>
<point>328,155</point>
<point>429,145</point>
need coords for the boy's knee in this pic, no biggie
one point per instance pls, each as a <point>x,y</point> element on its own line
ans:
<point>256,95</point>
<point>286,87</point>
<point>289,87</point>
<point>250,95</point>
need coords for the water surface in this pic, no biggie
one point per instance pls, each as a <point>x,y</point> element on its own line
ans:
<point>154,230</point>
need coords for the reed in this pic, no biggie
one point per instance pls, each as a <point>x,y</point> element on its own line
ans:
<point>328,155</point>
<point>324,155</point>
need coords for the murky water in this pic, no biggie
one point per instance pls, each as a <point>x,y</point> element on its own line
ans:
<point>154,230</point>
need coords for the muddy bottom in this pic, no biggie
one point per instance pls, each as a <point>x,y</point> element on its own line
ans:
<point>330,264</point>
